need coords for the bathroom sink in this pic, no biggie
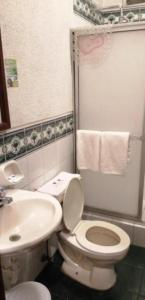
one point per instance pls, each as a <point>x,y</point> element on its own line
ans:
<point>28,220</point>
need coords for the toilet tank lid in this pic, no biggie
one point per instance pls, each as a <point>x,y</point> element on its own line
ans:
<point>73,204</point>
<point>57,185</point>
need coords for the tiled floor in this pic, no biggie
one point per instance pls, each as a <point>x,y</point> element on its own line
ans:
<point>130,281</point>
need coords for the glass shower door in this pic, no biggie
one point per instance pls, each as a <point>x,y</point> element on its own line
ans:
<point>111,94</point>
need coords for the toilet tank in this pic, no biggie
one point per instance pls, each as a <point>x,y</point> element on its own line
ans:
<point>57,185</point>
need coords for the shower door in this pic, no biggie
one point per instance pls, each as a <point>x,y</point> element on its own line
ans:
<point>109,96</point>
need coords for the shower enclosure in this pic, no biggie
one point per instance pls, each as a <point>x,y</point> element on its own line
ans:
<point>109,95</point>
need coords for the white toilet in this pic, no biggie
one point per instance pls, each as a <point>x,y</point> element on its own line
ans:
<point>90,248</point>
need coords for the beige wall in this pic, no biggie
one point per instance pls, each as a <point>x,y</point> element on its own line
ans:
<point>36,34</point>
<point>107,3</point>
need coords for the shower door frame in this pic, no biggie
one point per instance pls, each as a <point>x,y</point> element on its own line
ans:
<point>75,33</point>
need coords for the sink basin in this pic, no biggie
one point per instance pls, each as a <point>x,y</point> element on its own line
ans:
<point>28,220</point>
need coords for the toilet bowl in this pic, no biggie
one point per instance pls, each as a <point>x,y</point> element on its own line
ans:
<point>90,248</point>
<point>28,290</point>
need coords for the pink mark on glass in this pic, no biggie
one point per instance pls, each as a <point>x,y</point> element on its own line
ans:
<point>93,48</point>
<point>90,43</point>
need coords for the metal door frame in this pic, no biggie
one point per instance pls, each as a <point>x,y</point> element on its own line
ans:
<point>75,33</point>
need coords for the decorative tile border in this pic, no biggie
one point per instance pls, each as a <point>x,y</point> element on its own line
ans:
<point>14,145</point>
<point>124,15</point>
<point>20,142</point>
<point>88,10</point>
<point>60,128</point>
<point>48,129</point>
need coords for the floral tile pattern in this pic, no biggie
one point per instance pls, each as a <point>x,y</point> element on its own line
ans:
<point>89,11</point>
<point>18,143</point>
<point>60,127</point>
<point>131,16</point>
<point>2,154</point>
<point>33,137</point>
<point>48,132</point>
<point>70,123</point>
<point>112,17</point>
<point>14,144</point>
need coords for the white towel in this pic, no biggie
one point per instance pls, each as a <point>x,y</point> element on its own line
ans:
<point>88,149</point>
<point>114,152</point>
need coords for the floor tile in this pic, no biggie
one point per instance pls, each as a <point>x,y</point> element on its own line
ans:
<point>125,296</point>
<point>135,257</point>
<point>142,287</point>
<point>130,296</point>
<point>130,283</point>
<point>129,277</point>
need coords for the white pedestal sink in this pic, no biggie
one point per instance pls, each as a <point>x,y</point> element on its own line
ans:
<point>29,219</point>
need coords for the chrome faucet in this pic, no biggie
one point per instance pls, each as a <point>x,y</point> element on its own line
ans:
<point>3,199</point>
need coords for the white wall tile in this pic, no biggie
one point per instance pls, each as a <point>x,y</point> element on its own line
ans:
<point>49,157</point>
<point>64,147</point>
<point>35,165</point>
<point>45,163</point>
<point>35,184</point>
<point>67,164</point>
<point>110,3</point>
<point>23,164</point>
<point>58,157</point>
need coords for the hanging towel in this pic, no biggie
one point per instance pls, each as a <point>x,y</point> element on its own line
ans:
<point>114,152</point>
<point>88,149</point>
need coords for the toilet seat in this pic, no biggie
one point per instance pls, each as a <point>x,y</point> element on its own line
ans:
<point>84,234</point>
<point>122,239</point>
<point>78,240</point>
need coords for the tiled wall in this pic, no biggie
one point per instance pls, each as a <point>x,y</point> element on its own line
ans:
<point>42,150</point>
<point>44,163</point>
<point>19,143</point>
<point>88,10</point>
<point>123,15</point>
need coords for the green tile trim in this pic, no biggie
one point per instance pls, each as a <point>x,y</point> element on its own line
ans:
<point>48,132</point>
<point>33,137</point>
<point>60,126</point>
<point>19,143</point>
<point>88,10</point>
<point>14,144</point>
<point>2,150</point>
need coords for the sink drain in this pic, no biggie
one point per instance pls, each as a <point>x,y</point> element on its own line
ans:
<point>14,237</point>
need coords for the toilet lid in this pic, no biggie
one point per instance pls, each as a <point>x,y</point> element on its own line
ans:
<point>73,204</point>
